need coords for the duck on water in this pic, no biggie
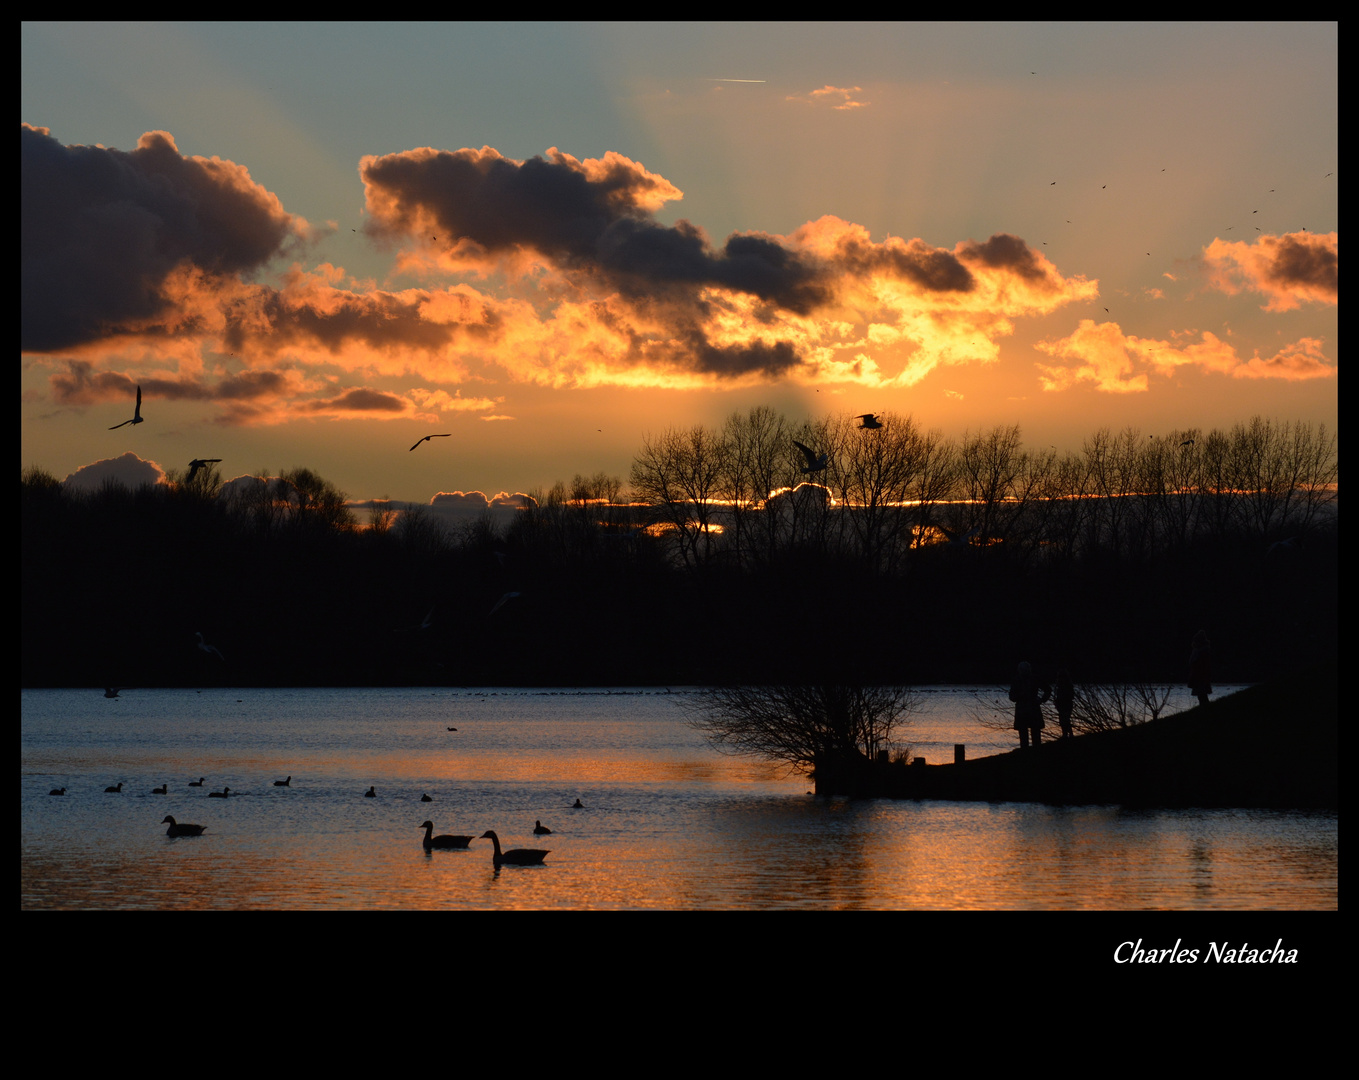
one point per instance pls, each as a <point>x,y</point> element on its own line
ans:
<point>445,841</point>
<point>176,829</point>
<point>515,856</point>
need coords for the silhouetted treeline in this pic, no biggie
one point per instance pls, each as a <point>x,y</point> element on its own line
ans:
<point>910,558</point>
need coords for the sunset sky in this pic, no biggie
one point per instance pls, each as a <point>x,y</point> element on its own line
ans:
<point>313,244</point>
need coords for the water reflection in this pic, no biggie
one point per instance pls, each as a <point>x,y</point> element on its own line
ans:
<point>670,824</point>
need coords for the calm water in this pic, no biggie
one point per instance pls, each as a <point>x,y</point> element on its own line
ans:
<point>668,823</point>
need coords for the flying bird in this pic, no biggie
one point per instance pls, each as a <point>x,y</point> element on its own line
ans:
<point>815,462</point>
<point>428,437</point>
<point>136,416</point>
<point>869,421</point>
<point>203,646</point>
<point>200,463</point>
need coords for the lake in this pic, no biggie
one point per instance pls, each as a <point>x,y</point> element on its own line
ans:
<point>667,822</point>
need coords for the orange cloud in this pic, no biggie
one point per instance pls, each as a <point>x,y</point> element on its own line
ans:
<point>1290,270</point>
<point>838,97</point>
<point>1113,362</point>
<point>614,296</point>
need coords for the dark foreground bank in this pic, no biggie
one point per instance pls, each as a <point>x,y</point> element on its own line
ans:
<point>1224,755</point>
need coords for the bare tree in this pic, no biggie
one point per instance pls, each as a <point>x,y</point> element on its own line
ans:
<point>804,726</point>
<point>680,474</point>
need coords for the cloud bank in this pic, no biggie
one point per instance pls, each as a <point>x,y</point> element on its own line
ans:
<point>183,275</point>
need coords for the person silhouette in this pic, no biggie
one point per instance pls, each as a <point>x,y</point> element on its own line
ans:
<point>1028,694</point>
<point>1201,668</point>
<point>1064,697</point>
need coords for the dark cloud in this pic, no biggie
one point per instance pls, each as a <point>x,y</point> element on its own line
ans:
<point>102,229</point>
<point>1311,264</point>
<point>594,218</point>
<point>81,384</point>
<point>359,399</point>
<point>1005,252</point>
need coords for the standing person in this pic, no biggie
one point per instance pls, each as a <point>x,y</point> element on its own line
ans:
<point>1028,694</point>
<point>1201,668</point>
<point>1064,697</point>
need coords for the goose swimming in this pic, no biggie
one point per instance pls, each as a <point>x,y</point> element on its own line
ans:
<point>371,793</point>
<point>162,790</point>
<point>219,794</point>
<point>539,829</point>
<point>198,782</point>
<point>516,856</point>
<point>445,841</point>
<point>176,829</point>
<point>425,798</point>
<point>136,416</point>
<point>115,789</point>
<point>57,791</point>
<point>284,783</point>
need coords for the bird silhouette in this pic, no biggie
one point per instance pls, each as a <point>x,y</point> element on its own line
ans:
<point>203,646</point>
<point>162,790</point>
<point>815,462</point>
<point>445,841</point>
<point>57,791</point>
<point>115,789</point>
<point>428,437</point>
<point>425,798</point>
<point>284,783</point>
<point>136,416</point>
<point>198,782</point>
<point>515,856</point>
<point>869,421</point>
<point>578,805</point>
<point>539,829</point>
<point>176,829</point>
<point>219,794</point>
<point>371,793</point>
<point>112,691</point>
<point>200,463</point>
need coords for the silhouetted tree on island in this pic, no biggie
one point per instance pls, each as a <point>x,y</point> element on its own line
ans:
<point>827,730</point>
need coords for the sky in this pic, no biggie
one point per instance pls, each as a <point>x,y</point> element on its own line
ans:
<point>314,244</point>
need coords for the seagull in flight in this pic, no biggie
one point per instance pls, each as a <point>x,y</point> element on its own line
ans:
<point>200,463</point>
<point>205,647</point>
<point>428,437</point>
<point>136,416</point>
<point>815,462</point>
<point>870,420</point>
